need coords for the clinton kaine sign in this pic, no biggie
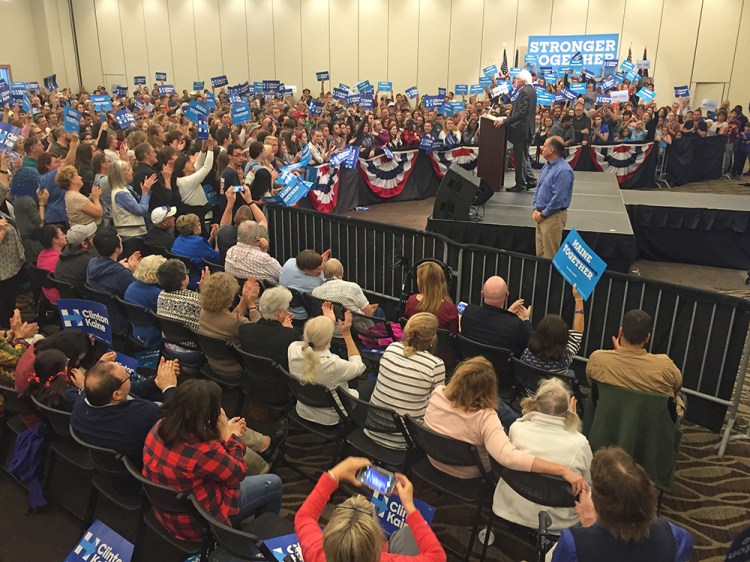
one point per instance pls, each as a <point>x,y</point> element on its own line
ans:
<point>558,50</point>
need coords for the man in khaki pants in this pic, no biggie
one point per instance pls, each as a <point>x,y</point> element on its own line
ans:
<point>552,198</point>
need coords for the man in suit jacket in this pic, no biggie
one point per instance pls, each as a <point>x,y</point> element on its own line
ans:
<point>520,124</point>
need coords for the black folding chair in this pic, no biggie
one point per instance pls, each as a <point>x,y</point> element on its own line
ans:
<point>219,350</point>
<point>63,446</point>
<point>139,316</point>
<point>476,492</point>
<point>315,396</point>
<point>363,416</point>
<point>541,489</point>
<point>448,351</point>
<point>167,500</point>
<point>498,356</point>
<point>113,481</point>
<point>246,544</point>
<point>39,279</point>
<point>113,310</point>
<point>66,290</point>
<point>213,267</point>
<point>178,334</point>
<point>261,381</point>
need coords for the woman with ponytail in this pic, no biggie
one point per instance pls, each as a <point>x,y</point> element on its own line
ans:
<point>53,383</point>
<point>312,362</point>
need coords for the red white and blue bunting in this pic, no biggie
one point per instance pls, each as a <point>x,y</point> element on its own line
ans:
<point>574,152</point>
<point>623,160</point>
<point>324,192</point>
<point>385,177</point>
<point>464,156</point>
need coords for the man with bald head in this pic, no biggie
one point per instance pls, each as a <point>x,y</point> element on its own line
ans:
<point>492,324</point>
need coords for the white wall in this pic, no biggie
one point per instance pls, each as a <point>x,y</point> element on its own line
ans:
<point>427,43</point>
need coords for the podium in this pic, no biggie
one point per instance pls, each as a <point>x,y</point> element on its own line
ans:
<point>491,159</point>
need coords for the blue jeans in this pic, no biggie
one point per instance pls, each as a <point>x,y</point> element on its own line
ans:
<point>507,414</point>
<point>258,495</point>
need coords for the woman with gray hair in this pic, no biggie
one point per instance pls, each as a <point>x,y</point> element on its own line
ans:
<point>272,335</point>
<point>549,428</point>
<point>145,291</point>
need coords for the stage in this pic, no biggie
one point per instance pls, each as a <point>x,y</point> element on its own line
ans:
<point>696,228</point>
<point>597,211</point>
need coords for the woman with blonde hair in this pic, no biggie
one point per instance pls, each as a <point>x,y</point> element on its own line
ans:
<point>433,297</point>
<point>549,427</point>
<point>312,362</point>
<point>128,211</point>
<point>80,209</point>
<point>466,410</point>
<point>353,533</point>
<point>408,374</point>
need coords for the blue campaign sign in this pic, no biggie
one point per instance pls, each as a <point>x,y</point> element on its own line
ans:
<point>569,95</point>
<point>550,77</point>
<point>387,153</point>
<point>235,98</point>
<point>91,317</point>
<point>619,77</point>
<point>148,359</point>
<point>139,80</point>
<point>196,112</point>
<point>240,113</point>
<point>445,110</point>
<point>26,103</point>
<point>545,98</point>
<point>244,88</point>
<point>219,81</point>
<point>485,81</point>
<point>281,547</point>
<point>71,120</point>
<point>166,90</point>
<point>610,63</point>
<point>202,131</point>
<point>198,86</point>
<point>354,99</point>
<point>578,264</point>
<point>270,85</point>
<point>343,86</point>
<point>608,83</point>
<point>490,70</point>
<point>457,106</point>
<point>101,103</point>
<point>513,72</point>
<point>340,94</point>
<point>211,100</point>
<point>32,86</point>
<point>100,543</point>
<point>316,107</point>
<point>385,86</point>
<point>579,88</point>
<point>364,86</point>
<point>125,119</point>
<point>576,61</point>
<point>462,89</point>
<point>412,92</point>
<point>558,50</point>
<point>442,92</point>
<point>646,95</point>
<point>392,515</point>
<point>130,364</point>
<point>632,75</point>
<point>588,75</point>
<point>627,66</point>
<point>603,100</point>
<point>8,136</point>
<point>161,76</point>
<point>5,95</point>
<point>367,103</point>
<point>295,190</point>
<point>679,92</point>
<point>427,144</point>
<point>529,58</point>
<point>257,87</point>
<point>559,98</point>
<point>322,76</point>
<point>476,89</point>
<point>120,91</point>
<point>50,82</point>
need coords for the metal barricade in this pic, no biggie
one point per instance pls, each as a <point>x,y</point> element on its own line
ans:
<point>706,334</point>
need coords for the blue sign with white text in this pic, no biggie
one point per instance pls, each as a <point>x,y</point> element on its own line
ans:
<point>5,95</point>
<point>198,86</point>
<point>578,264</point>
<point>392,515</point>
<point>139,80</point>
<point>202,131</point>
<point>8,136</point>
<point>679,92</point>
<point>412,92</point>
<point>91,317</point>
<point>462,89</point>
<point>476,89</point>
<point>100,543</point>
<point>490,70</point>
<point>72,120</point>
<point>323,76</point>
<point>646,95</point>
<point>125,119</point>
<point>282,547</point>
<point>559,50</point>
<point>240,113</point>
<point>161,76</point>
<point>219,81</point>
<point>197,111</point>
<point>385,86</point>
<point>579,88</point>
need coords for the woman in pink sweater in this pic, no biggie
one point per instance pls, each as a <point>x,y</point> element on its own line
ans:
<point>466,410</point>
<point>353,533</point>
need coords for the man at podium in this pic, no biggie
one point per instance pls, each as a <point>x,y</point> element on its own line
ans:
<point>520,124</point>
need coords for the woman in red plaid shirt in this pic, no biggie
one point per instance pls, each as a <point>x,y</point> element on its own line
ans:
<point>195,448</point>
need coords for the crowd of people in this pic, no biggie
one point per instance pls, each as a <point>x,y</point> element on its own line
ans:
<point>113,209</point>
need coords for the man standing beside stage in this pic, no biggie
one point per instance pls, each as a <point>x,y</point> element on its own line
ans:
<point>521,125</point>
<point>552,198</point>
